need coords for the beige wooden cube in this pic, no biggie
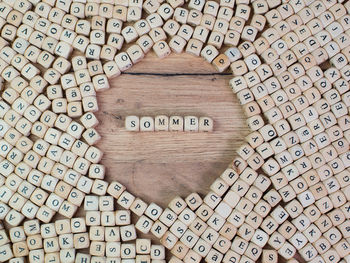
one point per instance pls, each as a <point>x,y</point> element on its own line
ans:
<point>221,62</point>
<point>143,246</point>
<point>132,123</point>
<point>176,123</point>
<point>177,204</point>
<point>123,61</point>
<point>146,124</point>
<point>162,49</point>
<point>144,224</point>
<point>269,256</point>
<point>157,252</point>
<point>191,123</point>
<point>206,124</point>
<point>128,233</point>
<point>6,252</point>
<point>34,242</point>
<point>161,123</point>
<point>138,207</point>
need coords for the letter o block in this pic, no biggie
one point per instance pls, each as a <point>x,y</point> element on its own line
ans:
<point>147,124</point>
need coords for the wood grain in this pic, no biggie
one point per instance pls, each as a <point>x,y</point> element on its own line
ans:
<point>159,166</point>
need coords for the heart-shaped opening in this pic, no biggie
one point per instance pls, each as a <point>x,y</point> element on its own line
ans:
<point>157,166</point>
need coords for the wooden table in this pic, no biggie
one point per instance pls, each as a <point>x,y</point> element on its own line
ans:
<point>158,166</point>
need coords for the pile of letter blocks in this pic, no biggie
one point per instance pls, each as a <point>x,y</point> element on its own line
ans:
<point>284,198</point>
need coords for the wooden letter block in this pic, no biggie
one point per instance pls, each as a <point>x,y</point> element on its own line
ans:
<point>269,256</point>
<point>146,124</point>
<point>206,124</point>
<point>161,123</point>
<point>176,123</point>
<point>157,252</point>
<point>162,49</point>
<point>128,233</point>
<point>6,253</point>
<point>191,123</point>
<point>132,123</point>
<point>128,251</point>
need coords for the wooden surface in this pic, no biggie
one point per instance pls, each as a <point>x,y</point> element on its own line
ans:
<point>159,166</point>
